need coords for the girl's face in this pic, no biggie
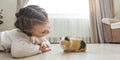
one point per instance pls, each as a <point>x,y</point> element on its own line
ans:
<point>40,30</point>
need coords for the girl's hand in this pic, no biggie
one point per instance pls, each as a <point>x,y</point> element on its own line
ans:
<point>44,47</point>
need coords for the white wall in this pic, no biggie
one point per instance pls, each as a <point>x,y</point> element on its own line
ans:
<point>117,8</point>
<point>9,10</point>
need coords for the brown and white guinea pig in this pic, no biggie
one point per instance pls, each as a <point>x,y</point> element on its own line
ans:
<point>72,44</point>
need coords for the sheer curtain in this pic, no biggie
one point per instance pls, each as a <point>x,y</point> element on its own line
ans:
<point>70,26</point>
<point>100,9</point>
<point>67,18</point>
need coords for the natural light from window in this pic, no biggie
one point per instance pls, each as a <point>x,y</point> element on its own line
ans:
<point>67,17</point>
<point>66,7</point>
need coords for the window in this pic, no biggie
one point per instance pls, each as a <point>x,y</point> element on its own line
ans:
<point>67,17</point>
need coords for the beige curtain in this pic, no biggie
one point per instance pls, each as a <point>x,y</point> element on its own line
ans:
<point>99,9</point>
<point>21,3</point>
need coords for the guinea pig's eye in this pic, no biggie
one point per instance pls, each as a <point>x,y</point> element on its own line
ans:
<point>67,38</point>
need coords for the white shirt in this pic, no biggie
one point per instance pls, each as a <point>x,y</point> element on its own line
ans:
<point>19,43</point>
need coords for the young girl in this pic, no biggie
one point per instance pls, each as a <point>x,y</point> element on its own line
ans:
<point>28,38</point>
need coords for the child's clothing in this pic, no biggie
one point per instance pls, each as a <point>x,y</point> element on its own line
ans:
<point>19,43</point>
<point>1,47</point>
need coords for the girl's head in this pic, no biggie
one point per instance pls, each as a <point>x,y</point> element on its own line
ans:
<point>33,21</point>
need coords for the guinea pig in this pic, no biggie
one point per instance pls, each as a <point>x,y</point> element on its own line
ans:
<point>73,45</point>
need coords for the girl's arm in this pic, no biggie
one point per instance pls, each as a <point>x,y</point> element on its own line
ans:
<point>24,48</point>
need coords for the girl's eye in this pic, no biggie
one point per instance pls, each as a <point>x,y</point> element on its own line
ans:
<point>43,32</point>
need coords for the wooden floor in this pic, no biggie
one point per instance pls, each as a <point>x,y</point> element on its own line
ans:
<point>94,52</point>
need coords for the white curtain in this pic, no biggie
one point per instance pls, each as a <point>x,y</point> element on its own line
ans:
<point>67,18</point>
<point>70,26</point>
<point>21,3</point>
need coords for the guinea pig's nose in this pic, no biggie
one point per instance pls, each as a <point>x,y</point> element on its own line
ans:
<point>62,42</point>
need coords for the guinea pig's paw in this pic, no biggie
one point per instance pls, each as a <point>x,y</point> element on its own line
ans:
<point>63,47</point>
<point>83,50</point>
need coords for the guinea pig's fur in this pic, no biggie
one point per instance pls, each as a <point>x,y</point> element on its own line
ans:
<point>73,44</point>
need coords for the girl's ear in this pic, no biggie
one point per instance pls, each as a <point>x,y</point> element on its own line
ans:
<point>28,32</point>
<point>67,38</point>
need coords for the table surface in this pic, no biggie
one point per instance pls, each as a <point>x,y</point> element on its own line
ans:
<point>94,52</point>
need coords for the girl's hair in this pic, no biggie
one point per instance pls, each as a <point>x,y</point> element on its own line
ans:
<point>29,16</point>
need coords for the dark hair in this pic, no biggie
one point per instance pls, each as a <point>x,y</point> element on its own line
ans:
<point>29,16</point>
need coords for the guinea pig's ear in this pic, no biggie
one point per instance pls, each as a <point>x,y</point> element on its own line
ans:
<point>67,38</point>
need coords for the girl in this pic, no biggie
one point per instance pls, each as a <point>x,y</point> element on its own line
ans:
<point>28,38</point>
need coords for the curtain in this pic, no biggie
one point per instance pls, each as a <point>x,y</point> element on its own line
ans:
<point>21,3</point>
<point>72,26</point>
<point>100,9</point>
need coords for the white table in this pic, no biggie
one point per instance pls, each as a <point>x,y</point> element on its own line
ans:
<point>94,52</point>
